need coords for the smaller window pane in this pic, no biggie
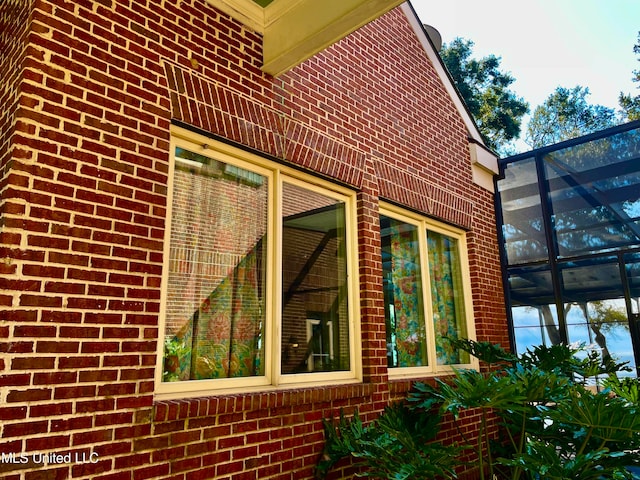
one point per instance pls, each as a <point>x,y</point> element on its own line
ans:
<point>534,326</point>
<point>601,324</point>
<point>216,282</point>
<point>447,297</point>
<point>315,320</point>
<point>403,295</point>
<point>523,228</point>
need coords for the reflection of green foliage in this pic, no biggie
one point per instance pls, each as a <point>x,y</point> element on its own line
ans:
<point>175,351</point>
<point>605,313</point>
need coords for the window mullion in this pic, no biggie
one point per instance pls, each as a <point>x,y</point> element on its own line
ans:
<point>427,300</point>
<point>275,265</point>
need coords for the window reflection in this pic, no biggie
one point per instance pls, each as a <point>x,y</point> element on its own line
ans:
<point>587,199</point>
<point>602,324</point>
<point>597,312</point>
<point>535,325</point>
<point>523,227</point>
<point>315,324</point>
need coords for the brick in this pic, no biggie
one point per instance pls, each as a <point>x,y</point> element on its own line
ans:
<point>63,287</point>
<point>42,271</point>
<point>22,285</point>
<point>48,241</point>
<point>93,406</point>
<point>13,413</point>
<point>16,347</point>
<point>39,301</point>
<point>98,376</point>
<point>86,275</point>
<point>24,428</point>
<point>30,395</point>
<point>62,393</point>
<point>46,410</point>
<point>87,303</point>
<point>73,423</point>
<point>44,346</point>
<point>95,436</point>
<point>32,363</point>
<point>85,216</point>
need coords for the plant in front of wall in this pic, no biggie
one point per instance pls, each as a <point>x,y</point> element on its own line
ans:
<point>553,423</point>
<point>398,445</point>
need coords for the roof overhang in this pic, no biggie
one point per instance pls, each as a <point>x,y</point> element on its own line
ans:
<point>294,30</point>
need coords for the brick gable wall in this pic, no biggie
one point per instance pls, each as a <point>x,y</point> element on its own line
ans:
<point>91,88</point>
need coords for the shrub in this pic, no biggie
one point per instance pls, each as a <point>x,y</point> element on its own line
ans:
<point>554,421</point>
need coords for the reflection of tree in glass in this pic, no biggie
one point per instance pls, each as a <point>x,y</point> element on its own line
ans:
<point>592,187</point>
<point>601,316</point>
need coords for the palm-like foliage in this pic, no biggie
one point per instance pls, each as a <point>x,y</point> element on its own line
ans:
<point>397,446</point>
<point>552,425</point>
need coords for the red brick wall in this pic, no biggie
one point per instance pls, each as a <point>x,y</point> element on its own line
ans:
<point>83,205</point>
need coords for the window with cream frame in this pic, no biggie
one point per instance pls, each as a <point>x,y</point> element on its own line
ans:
<point>260,279</point>
<point>427,293</point>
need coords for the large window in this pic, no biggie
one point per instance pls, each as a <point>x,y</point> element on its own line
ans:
<point>426,293</point>
<point>259,288</point>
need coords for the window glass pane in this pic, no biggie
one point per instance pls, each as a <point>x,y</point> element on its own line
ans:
<point>523,228</point>
<point>595,194</point>
<point>535,325</point>
<point>632,268</point>
<point>603,325</point>
<point>595,307</point>
<point>403,295</point>
<point>315,323</point>
<point>447,296</point>
<point>216,281</point>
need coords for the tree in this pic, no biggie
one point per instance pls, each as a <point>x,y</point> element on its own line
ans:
<point>631,105</point>
<point>566,114</point>
<point>485,89</point>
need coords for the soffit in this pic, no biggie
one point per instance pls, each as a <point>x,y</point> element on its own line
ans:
<point>294,30</point>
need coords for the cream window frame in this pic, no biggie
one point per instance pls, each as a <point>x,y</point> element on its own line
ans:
<point>423,225</point>
<point>276,174</point>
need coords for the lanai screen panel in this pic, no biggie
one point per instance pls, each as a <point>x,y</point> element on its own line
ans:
<point>570,225</point>
<point>594,193</point>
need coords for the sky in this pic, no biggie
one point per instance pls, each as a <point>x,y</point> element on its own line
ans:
<point>548,43</point>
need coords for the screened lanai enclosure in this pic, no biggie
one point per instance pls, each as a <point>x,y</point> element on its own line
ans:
<point>570,224</point>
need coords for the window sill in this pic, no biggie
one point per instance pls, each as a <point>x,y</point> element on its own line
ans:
<point>224,403</point>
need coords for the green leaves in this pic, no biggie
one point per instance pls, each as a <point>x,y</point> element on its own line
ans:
<point>627,388</point>
<point>566,114</point>
<point>485,89</point>
<point>541,461</point>
<point>629,104</point>
<point>552,425</point>
<point>399,445</point>
<point>471,389</point>
<point>596,419</point>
